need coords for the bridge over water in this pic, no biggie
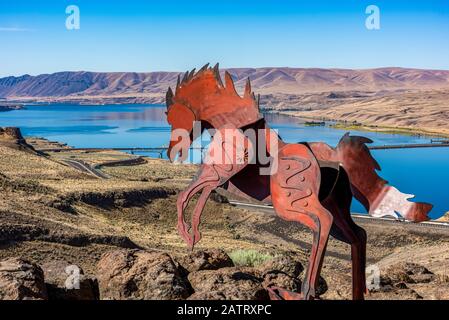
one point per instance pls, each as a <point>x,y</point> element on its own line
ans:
<point>161,150</point>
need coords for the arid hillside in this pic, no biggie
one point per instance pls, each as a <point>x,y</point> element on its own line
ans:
<point>121,230</point>
<point>425,111</point>
<point>153,85</point>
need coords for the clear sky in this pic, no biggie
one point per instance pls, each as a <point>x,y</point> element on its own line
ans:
<point>174,35</point>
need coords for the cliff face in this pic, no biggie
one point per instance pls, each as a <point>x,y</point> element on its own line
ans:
<point>264,81</point>
<point>12,137</point>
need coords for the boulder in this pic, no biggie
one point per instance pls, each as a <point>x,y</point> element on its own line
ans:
<point>408,273</point>
<point>137,274</point>
<point>286,272</point>
<point>281,280</point>
<point>21,280</point>
<point>219,198</point>
<point>66,281</point>
<point>284,264</point>
<point>227,284</point>
<point>414,268</point>
<point>397,294</point>
<point>209,259</point>
<point>12,137</point>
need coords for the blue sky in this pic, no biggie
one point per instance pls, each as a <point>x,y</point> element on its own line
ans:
<point>176,35</point>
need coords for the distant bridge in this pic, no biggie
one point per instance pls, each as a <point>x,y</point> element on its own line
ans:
<point>411,146</point>
<point>132,150</point>
<point>162,150</point>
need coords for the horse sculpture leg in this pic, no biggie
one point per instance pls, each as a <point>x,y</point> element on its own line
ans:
<point>207,181</point>
<point>295,189</point>
<point>214,173</point>
<point>344,229</point>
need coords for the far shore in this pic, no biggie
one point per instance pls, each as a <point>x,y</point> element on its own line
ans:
<point>10,107</point>
<point>346,125</point>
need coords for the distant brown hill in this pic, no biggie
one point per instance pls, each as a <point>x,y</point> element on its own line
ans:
<point>152,86</point>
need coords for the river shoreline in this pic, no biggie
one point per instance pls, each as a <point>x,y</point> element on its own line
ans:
<point>7,107</point>
<point>336,123</point>
<point>349,126</point>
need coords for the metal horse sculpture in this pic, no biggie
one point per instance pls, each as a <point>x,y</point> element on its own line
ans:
<point>313,184</point>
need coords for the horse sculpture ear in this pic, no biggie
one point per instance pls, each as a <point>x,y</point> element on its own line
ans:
<point>217,74</point>
<point>169,97</point>
<point>247,93</point>
<point>178,82</point>
<point>229,83</point>
<point>204,68</point>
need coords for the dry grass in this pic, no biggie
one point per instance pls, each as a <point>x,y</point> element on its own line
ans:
<point>36,192</point>
<point>22,165</point>
<point>154,170</point>
<point>419,111</point>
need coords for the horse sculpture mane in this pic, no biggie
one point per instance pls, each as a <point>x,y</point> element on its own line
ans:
<point>210,100</point>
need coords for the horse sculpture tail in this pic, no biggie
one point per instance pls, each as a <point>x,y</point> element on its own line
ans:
<point>379,198</point>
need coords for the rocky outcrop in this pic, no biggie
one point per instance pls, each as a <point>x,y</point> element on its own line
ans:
<point>134,274</point>
<point>209,259</point>
<point>282,264</point>
<point>21,280</point>
<point>7,107</point>
<point>30,232</point>
<point>282,272</point>
<point>409,273</point>
<point>11,133</point>
<point>126,274</point>
<point>66,281</point>
<point>227,284</point>
<point>115,199</point>
<point>12,137</point>
<point>405,281</point>
<point>200,275</point>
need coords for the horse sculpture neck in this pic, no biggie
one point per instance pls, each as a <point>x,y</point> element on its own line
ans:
<point>238,118</point>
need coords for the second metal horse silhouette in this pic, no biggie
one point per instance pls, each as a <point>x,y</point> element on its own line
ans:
<point>312,183</point>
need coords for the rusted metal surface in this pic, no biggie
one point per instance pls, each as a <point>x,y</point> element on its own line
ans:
<point>313,184</point>
<point>379,198</point>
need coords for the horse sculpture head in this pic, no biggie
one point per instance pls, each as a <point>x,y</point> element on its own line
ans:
<point>202,97</point>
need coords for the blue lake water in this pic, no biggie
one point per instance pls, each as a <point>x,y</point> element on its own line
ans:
<point>424,172</point>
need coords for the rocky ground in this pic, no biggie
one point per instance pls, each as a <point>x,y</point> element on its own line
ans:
<point>119,235</point>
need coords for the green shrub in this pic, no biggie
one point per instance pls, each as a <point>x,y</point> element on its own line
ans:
<point>249,258</point>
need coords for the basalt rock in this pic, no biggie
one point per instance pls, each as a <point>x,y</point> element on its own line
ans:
<point>227,284</point>
<point>12,137</point>
<point>281,280</point>
<point>287,272</point>
<point>209,259</point>
<point>409,273</point>
<point>136,274</point>
<point>66,281</point>
<point>284,264</point>
<point>21,280</point>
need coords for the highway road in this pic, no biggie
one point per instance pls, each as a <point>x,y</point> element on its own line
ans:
<point>364,218</point>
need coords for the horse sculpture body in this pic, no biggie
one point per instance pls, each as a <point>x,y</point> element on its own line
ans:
<point>312,184</point>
